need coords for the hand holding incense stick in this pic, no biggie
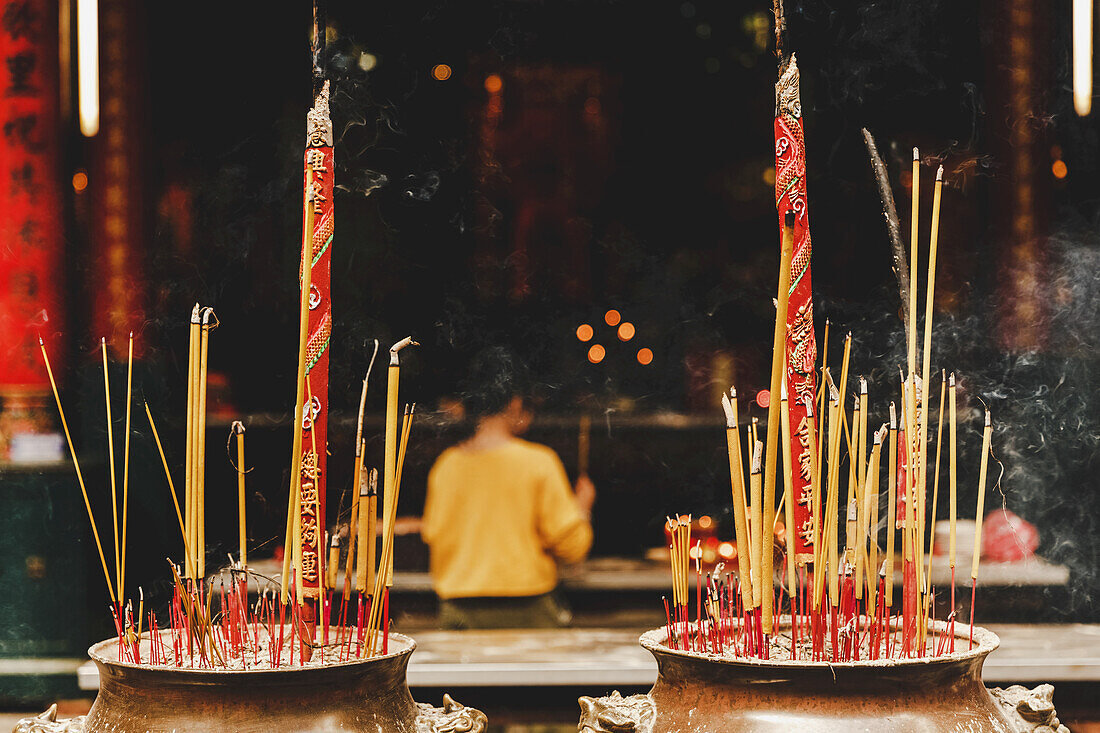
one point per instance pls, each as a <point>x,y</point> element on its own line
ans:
<point>779,352</point>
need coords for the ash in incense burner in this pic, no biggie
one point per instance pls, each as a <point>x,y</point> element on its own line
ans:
<point>353,695</point>
<point>703,692</point>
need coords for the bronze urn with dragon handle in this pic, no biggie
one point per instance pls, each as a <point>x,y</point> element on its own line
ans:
<point>358,695</point>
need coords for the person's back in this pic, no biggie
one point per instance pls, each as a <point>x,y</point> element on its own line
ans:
<point>500,514</point>
<point>498,518</point>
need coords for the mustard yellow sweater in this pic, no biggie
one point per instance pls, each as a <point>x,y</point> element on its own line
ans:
<point>496,521</point>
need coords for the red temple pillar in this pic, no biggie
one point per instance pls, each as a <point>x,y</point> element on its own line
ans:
<point>31,272</point>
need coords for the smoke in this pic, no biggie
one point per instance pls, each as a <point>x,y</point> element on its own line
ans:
<point>1046,438</point>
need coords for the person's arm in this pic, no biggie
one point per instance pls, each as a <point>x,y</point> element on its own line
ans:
<point>564,528</point>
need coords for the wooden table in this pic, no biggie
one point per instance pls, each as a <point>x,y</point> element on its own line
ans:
<point>629,574</point>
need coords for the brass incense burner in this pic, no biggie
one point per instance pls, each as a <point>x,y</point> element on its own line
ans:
<point>359,695</point>
<point>701,693</point>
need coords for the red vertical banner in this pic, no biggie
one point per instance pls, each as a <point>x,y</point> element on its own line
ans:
<point>30,196</point>
<point>116,180</point>
<point>319,170</point>
<point>790,195</point>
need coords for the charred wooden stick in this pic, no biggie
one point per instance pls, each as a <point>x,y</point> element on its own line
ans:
<point>893,226</point>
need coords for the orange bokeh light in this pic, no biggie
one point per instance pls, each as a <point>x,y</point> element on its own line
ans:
<point>80,181</point>
<point>584,332</point>
<point>441,72</point>
<point>612,317</point>
<point>1059,169</point>
<point>596,353</point>
<point>645,357</point>
<point>626,331</point>
<point>493,83</point>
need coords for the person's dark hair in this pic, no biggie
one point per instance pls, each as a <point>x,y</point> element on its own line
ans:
<point>495,377</point>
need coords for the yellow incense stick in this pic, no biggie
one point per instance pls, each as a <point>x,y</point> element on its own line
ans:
<point>862,445</point>
<point>333,562</point>
<point>300,386</point>
<point>242,524</point>
<point>737,487</point>
<point>389,467</point>
<point>815,478</point>
<point>756,527</point>
<point>852,504</point>
<point>209,323</point>
<point>779,359</point>
<point>913,236</point>
<point>979,514</point>
<point>188,471</point>
<point>171,486</point>
<point>371,530</point>
<point>935,484</point>
<point>126,456</point>
<point>952,459</point>
<point>357,496</point>
<point>788,482</point>
<point>111,466</point>
<point>892,505</point>
<point>922,444</point>
<point>79,475</point>
<point>832,505</point>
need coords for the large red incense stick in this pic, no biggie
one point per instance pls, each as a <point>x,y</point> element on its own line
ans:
<point>790,196</point>
<point>318,174</point>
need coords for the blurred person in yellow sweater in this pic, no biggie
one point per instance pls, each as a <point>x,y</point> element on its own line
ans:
<point>499,514</point>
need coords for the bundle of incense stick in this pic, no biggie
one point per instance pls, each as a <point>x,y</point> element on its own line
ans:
<point>210,626</point>
<point>839,604</point>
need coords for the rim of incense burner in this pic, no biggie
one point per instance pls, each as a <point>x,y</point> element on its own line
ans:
<point>985,642</point>
<point>106,653</point>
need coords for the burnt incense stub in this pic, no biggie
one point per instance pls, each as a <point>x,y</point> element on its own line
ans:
<point>318,122</point>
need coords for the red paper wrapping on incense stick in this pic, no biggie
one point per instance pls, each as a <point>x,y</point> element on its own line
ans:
<point>319,162</point>
<point>790,195</point>
<point>30,205</point>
